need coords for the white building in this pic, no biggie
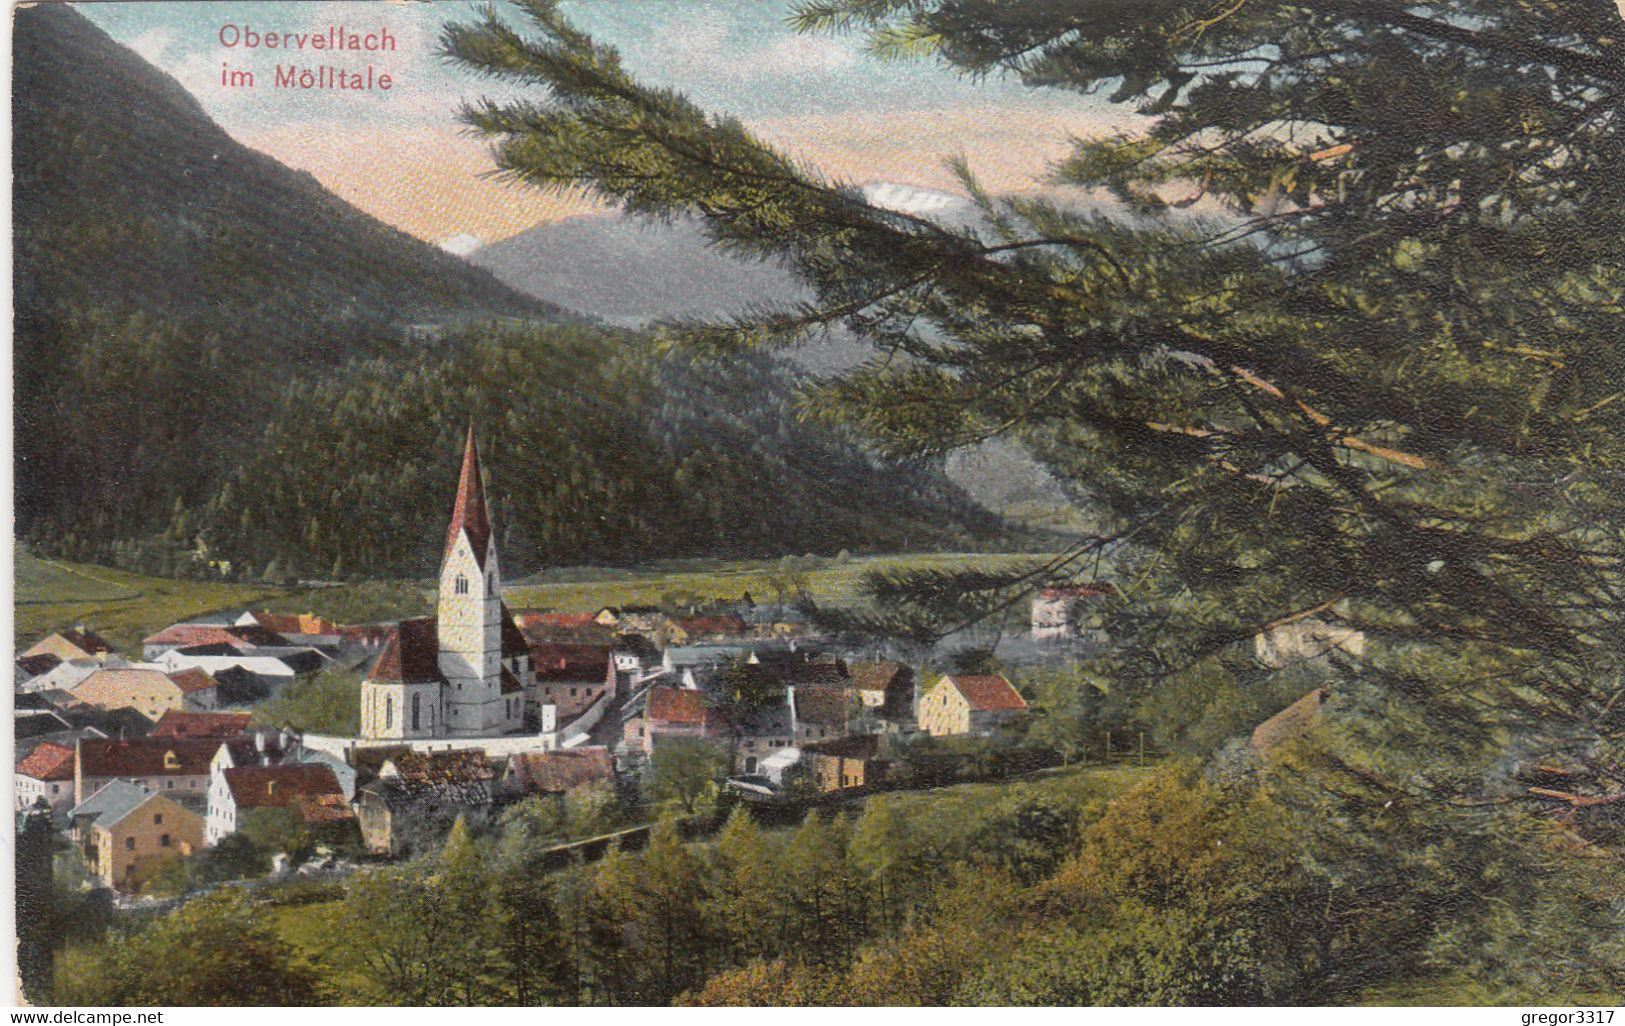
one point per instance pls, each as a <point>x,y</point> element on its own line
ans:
<point>463,672</point>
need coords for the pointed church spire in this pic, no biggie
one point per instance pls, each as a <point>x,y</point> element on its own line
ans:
<point>469,514</point>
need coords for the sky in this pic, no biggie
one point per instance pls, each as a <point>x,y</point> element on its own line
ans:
<point>401,156</point>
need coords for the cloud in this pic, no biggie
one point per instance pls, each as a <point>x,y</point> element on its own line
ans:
<point>152,43</point>
<point>795,55</point>
<point>462,244</point>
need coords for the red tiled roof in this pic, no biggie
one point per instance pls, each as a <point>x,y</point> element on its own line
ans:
<point>324,808</point>
<point>728,623</point>
<point>552,772</point>
<point>48,761</point>
<point>469,515</point>
<point>264,787</point>
<point>295,623</point>
<point>556,619</point>
<point>1079,590</point>
<point>987,692</point>
<point>568,661</point>
<point>146,756</point>
<point>366,632</point>
<point>678,705</point>
<point>432,768</point>
<point>193,680</point>
<point>185,635</point>
<point>412,655</point>
<point>201,724</point>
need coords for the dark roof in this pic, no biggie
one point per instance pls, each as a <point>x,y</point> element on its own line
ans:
<point>146,757</point>
<point>263,787</point>
<point>637,644</point>
<point>87,640</point>
<point>569,662</point>
<point>510,683</point>
<point>38,724</point>
<point>412,655</point>
<point>987,692</point>
<point>469,515</point>
<point>48,761</point>
<point>513,640</point>
<point>825,706</point>
<point>771,719</point>
<point>303,661</point>
<point>112,722</point>
<point>875,676</point>
<point>213,648</point>
<point>862,746</point>
<point>201,724</point>
<point>561,770</point>
<point>261,747</point>
<point>35,665</point>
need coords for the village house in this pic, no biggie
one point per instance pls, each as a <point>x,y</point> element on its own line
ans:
<point>31,667</point>
<point>126,830</point>
<point>970,704</point>
<point>31,727</point>
<point>219,725</point>
<point>884,687</point>
<point>569,677</point>
<point>421,794</point>
<point>1069,611</point>
<point>176,767</point>
<point>278,748</point>
<point>45,773</point>
<point>309,792</point>
<point>768,728</point>
<point>464,672</point>
<point>239,637</point>
<point>845,763</point>
<point>646,620</point>
<point>819,711</point>
<point>559,772</point>
<point>269,668</point>
<point>79,643</point>
<point>301,630</point>
<point>66,674</point>
<point>149,691</point>
<point>672,712</point>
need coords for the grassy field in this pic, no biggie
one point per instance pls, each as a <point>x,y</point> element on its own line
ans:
<point>126,607</point>
<point>829,582</point>
<point>122,607</point>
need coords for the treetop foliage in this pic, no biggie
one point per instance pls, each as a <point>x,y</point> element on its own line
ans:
<point>1334,332</point>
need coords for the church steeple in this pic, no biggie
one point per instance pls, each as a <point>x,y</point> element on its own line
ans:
<point>469,514</point>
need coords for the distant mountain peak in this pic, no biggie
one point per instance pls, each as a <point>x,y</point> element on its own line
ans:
<point>912,199</point>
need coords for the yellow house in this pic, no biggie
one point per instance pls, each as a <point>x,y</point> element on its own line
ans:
<point>969,704</point>
<point>126,830</point>
<point>150,692</point>
<point>79,643</point>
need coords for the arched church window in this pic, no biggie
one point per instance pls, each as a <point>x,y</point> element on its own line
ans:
<point>462,585</point>
<point>389,712</point>
<point>416,711</point>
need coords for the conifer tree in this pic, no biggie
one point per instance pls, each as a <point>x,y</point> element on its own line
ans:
<point>1316,359</point>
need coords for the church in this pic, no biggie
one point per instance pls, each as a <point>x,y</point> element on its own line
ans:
<point>464,672</point>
